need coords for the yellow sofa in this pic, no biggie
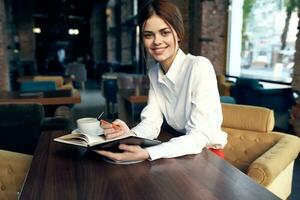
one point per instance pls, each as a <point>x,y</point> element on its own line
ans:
<point>14,167</point>
<point>266,156</point>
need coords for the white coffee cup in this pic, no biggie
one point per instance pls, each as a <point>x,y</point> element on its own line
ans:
<point>89,125</point>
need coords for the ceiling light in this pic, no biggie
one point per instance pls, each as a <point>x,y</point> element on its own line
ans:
<point>73,31</point>
<point>37,30</point>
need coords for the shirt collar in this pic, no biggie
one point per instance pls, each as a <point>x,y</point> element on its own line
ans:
<point>173,71</point>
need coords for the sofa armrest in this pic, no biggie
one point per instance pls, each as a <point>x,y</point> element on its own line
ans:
<point>266,168</point>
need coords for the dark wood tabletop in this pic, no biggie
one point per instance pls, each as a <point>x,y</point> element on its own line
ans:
<point>61,171</point>
<point>55,97</point>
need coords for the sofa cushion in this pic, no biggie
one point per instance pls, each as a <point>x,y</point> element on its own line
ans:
<point>244,147</point>
<point>14,167</point>
<point>244,117</point>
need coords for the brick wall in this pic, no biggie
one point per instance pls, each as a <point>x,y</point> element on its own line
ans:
<point>4,80</point>
<point>205,31</point>
<point>23,13</point>
<point>98,25</point>
<point>212,42</point>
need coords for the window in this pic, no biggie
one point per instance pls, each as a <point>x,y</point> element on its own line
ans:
<point>255,45</point>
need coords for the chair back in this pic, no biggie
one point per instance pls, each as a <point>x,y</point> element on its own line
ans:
<point>131,81</point>
<point>78,70</point>
<point>247,118</point>
<point>125,81</point>
<point>59,80</point>
<point>37,86</point>
<point>20,126</point>
<point>110,89</point>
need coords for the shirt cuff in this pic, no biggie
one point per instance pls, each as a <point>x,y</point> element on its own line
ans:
<point>154,152</point>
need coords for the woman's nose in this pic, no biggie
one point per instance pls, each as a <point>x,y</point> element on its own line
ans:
<point>157,40</point>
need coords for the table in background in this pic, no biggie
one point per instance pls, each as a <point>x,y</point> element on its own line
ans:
<point>49,99</point>
<point>55,97</point>
<point>60,171</point>
<point>127,99</point>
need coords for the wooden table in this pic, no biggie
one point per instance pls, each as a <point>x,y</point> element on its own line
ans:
<point>61,171</point>
<point>127,98</point>
<point>55,97</point>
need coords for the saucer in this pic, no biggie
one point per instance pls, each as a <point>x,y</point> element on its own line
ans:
<point>98,133</point>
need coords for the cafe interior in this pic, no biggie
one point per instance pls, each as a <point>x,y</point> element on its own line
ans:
<point>61,60</point>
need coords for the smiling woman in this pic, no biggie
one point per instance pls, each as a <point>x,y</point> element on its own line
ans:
<point>183,91</point>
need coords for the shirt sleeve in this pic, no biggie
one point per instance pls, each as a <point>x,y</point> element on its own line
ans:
<point>151,118</point>
<point>203,128</point>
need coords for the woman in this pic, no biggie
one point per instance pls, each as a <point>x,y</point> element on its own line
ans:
<point>183,90</point>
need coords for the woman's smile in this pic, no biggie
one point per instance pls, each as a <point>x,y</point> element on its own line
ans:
<point>159,50</point>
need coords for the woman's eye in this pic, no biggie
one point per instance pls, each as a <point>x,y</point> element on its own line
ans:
<point>165,33</point>
<point>147,36</point>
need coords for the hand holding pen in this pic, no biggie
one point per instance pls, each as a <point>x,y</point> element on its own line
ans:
<point>114,129</point>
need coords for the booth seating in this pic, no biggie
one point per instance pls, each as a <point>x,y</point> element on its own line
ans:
<point>264,155</point>
<point>59,81</point>
<point>37,86</point>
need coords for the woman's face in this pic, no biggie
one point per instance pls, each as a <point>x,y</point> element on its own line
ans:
<point>160,40</point>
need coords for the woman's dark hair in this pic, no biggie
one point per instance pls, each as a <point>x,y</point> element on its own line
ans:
<point>167,11</point>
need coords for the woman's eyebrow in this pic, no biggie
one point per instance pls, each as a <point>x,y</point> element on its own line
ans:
<point>164,29</point>
<point>160,30</point>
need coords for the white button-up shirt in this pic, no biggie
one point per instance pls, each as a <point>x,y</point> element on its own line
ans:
<point>188,98</point>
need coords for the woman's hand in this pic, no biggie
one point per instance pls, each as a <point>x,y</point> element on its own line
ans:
<point>130,153</point>
<point>114,129</point>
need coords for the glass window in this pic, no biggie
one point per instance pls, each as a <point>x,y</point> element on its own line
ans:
<point>262,43</point>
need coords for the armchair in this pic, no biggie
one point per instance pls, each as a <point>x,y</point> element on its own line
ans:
<point>21,125</point>
<point>223,85</point>
<point>249,92</point>
<point>265,156</point>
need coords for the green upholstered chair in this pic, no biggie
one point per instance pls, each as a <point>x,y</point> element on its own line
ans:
<point>250,92</point>
<point>21,126</point>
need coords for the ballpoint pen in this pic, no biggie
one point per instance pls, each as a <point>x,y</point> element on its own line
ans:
<point>106,122</point>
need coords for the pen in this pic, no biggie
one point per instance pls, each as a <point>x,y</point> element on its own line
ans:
<point>113,125</point>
